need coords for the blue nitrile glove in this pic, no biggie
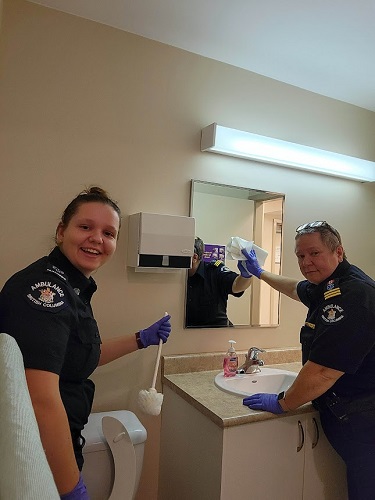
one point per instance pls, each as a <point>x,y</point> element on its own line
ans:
<point>159,330</point>
<point>250,266</point>
<point>79,492</point>
<point>262,401</point>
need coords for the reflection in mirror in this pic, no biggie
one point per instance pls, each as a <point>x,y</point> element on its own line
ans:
<point>223,211</point>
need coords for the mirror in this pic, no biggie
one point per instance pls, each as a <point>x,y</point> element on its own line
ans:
<point>220,212</point>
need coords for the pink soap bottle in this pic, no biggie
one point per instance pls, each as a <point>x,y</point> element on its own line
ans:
<point>230,362</point>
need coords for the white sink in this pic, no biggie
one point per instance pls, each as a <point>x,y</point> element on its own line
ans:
<point>269,380</point>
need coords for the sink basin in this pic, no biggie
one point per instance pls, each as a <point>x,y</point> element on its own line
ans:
<point>270,380</point>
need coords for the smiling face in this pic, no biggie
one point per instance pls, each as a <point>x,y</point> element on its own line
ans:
<point>316,260</point>
<point>90,237</point>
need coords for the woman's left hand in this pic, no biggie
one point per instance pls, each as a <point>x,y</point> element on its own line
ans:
<point>79,492</point>
<point>262,401</point>
<point>159,330</point>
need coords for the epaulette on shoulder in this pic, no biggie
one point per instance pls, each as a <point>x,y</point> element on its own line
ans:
<point>332,289</point>
<point>55,270</point>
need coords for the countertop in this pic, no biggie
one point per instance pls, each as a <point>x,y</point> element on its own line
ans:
<point>186,376</point>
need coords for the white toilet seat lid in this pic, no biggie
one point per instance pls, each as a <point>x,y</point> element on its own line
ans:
<point>93,433</point>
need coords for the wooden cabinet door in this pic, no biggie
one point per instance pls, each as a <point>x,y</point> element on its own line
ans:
<point>260,460</point>
<point>325,471</point>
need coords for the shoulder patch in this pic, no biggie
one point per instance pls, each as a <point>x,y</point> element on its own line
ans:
<point>46,296</point>
<point>332,313</point>
<point>220,265</point>
<point>225,269</point>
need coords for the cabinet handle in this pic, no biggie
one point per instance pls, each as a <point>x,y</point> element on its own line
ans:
<point>301,436</point>
<point>316,440</point>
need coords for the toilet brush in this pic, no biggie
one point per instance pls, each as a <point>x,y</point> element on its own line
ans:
<point>150,401</point>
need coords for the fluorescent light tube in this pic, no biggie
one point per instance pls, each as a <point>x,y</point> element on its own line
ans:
<point>232,142</point>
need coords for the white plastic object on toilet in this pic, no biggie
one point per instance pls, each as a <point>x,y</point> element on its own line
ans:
<point>113,455</point>
<point>123,454</point>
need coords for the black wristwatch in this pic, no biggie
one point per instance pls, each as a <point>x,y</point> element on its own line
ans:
<point>139,341</point>
<point>280,395</point>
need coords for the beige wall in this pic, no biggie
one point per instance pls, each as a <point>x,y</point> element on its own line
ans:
<point>82,103</point>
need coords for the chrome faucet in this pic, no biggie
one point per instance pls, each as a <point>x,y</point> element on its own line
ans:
<point>252,362</point>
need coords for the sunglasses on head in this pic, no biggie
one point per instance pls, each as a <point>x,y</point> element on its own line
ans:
<point>308,225</point>
<point>317,224</point>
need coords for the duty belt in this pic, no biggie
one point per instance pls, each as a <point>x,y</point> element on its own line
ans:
<point>342,407</point>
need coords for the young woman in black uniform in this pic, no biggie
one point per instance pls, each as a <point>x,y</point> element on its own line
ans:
<point>338,350</point>
<point>46,308</point>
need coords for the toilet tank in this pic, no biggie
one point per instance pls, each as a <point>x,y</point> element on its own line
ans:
<point>98,468</point>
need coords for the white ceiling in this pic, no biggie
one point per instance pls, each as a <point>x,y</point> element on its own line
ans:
<point>325,46</point>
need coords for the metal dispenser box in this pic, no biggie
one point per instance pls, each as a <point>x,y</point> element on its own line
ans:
<point>160,242</point>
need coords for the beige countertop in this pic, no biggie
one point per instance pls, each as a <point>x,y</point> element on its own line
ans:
<point>186,376</point>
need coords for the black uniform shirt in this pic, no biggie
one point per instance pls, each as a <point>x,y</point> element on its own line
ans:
<point>207,295</point>
<point>46,308</point>
<point>340,327</point>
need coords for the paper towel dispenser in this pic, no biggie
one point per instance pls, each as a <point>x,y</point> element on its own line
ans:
<point>159,241</point>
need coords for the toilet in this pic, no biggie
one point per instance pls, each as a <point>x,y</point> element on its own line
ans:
<point>113,455</point>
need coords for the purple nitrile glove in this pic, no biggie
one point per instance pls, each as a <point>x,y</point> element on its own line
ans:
<point>262,401</point>
<point>241,264</point>
<point>79,492</point>
<point>159,330</point>
<point>250,266</point>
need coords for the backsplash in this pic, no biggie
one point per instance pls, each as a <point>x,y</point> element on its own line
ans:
<point>186,363</point>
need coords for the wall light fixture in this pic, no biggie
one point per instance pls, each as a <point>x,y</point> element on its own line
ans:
<point>232,142</point>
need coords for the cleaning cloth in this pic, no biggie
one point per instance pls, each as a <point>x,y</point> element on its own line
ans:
<point>236,244</point>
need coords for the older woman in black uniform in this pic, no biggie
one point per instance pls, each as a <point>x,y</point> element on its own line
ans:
<point>208,286</point>
<point>46,308</point>
<point>338,350</point>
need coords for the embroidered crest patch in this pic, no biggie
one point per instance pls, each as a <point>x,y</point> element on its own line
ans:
<point>47,296</point>
<point>332,313</point>
<point>224,269</point>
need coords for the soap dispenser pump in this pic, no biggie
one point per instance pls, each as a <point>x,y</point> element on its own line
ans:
<point>230,363</point>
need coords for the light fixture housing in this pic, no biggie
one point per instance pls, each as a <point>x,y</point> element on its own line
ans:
<point>229,141</point>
